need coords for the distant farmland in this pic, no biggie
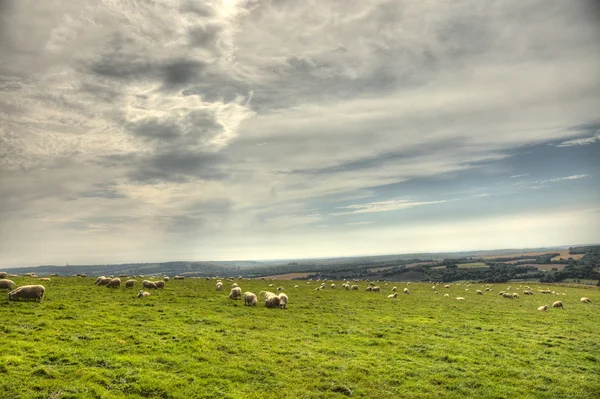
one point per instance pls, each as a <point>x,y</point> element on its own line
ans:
<point>548,266</point>
<point>288,276</point>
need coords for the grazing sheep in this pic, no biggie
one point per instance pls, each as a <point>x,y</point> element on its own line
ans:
<point>447,295</point>
<point>479,292</point>
<point>219,286</point>
<point>234,285</point>
<point>460,298</point>
<point>394,289</point>
<point>394,295</point>
<point>271,285</point>
<point>2,275</point>
<point>166,278</point>
<point>44,279</point>
<point>319,288</point>
<point>130,283</point>
<point>6,284</point>
<point>355,287</point>
<point>98,279</point>
<point>272,300</point>
<point>283,300</point>
<point>376,289</point>
<point>558,304</point>
<point>114,283</point>
<point>543,308</point>
<point>250,299</point>
<point>13,275</point>
<point>447,286</point>
<point>406,291</point>
<point>515,295</point>
<point>333,286</point>
<point>236,293</point>
<point>280,288</point>
<point>27,292</point>
<point>143,294</point>
<point>159,284</point>
<point>104,281</point>
<point>149,284</point>
<point>527,292</point>
<point>585,299</point>
<point>347,287</point>
<point>507,295</point>
<point>487,289</point>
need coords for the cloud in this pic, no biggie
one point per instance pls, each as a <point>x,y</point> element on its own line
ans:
<point>580,141</point>
<point>384,206</point>
<point>573,177</point>
<point>518,176</point>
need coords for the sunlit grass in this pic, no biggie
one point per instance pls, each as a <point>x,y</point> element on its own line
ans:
<point>190,341</point>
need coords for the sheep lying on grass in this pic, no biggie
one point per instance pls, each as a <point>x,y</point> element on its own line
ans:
<point>543,308</point>
<point>586,300</point>
<point>27,292</point>
<point>394,295</point>
<point>143,294</point>
<point>6,284</point>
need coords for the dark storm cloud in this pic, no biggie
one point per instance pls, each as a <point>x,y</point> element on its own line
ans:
<point>205,36</point>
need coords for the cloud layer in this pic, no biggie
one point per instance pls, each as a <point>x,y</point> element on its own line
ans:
<point>180,129</point>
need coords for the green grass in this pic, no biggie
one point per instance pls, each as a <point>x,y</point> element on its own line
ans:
<point>472,265</point>
<point>190,341</point>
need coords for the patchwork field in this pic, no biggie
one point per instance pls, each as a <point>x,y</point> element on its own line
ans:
<point>288,276</point>
<point>190,341</point>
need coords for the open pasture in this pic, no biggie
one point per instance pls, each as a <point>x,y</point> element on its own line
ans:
<point>190,341</point>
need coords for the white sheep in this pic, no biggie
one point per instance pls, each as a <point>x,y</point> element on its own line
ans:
<point>27,292</point>
<point>376,289</point>
<point>355,287</point>
<point>283,300</point>
<point>586,300</point>
<point>219,286</point>
<point>460,298</point>
<point>296,286</point>
<point>394,295</point>
<point>280,288</point>
<point>558,304</point>
<point>333,286</point>
<point>236,293</point>
<point>143,294</point>
<point>394,289</point>
<point>250,298</point>
<point>479,292</point>
<point>446,295</point>
<point>406,291</point>
<point>543,308</point>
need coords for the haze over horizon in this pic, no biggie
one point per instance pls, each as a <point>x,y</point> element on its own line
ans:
<point>133,132</point>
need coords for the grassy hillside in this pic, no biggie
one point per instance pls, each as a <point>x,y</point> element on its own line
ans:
<point>190,341</point>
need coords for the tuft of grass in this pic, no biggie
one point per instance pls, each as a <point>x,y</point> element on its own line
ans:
<point>190,341</point>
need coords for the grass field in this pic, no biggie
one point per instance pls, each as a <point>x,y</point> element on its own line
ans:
<point>473,265</point>
<point>190,341</point>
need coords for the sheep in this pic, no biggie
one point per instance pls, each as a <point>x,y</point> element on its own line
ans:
<point>406,291</point>
<point>543,308</point>
<point>527,292</point>
<point>333,286</point>
<point>355,287</point>
<point>166,278</point>
<point>273,300</point>
<point>515,295</point>
<point>446,295</point>
<point>250,298</point>
<point>104,281</point>
<point>236,293</point>
<point>179,277</point>
<point>130,283</point>
<point>460,298</point>
<point>219,286</point>
<point>149,284</point>
<point>2,275</point>
<point>487,289</point>
<point>114,283</point>
<point>234,285</point>
<point>296,286</point>
<point>479,292</point>
<point>271,285</point>
<point>558,304</point>
<point>280,288</point>
<point>27,292</point>
<point>6,284</point>
<point>160,284</point>
<point>319,288</point>
<point>98,279</point>
<point>507,295</point>
<point>369,288</point>
<point>376,289</point>
<point>394,295</point>
<point>447,286</point>
<point>143,294</point>
<point>585,300</point>
<point>347,287</point>
<point>394,289</point>
<point>13,275</point>
<point>283,300</point>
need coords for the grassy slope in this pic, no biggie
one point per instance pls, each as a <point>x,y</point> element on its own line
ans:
<point>189,341</point>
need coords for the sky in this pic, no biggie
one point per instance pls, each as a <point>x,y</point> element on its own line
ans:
<point>146,131</point>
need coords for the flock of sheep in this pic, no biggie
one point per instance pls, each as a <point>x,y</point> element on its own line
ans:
<point>271,300</point>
